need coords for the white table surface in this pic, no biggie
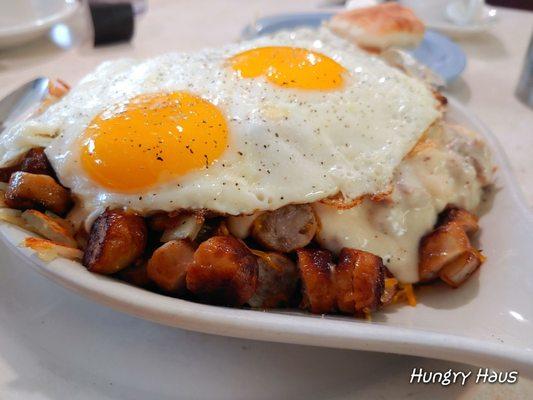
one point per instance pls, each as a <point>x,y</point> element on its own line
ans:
<point>56,345</point>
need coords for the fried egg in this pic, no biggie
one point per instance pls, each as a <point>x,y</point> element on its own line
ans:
<point>290,118</point>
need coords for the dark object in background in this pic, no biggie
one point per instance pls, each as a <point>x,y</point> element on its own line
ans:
<point>524,91</point>
<point>113,22</point>
<point>520,4</point>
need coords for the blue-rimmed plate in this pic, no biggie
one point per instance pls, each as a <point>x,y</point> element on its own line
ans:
<point>436,51</point>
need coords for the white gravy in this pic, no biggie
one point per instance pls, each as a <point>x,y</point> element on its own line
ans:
<point>450,167</point>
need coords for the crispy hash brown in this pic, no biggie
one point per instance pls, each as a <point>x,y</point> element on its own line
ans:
<point>198,257</point>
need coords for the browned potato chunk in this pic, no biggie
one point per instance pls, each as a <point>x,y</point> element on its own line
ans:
<point>277,280</point>
<point>116,240</point>
<point>136,274</point>
<point>169,264</point>
<point>224,272</point>
<point>447,252</point>
<point>286,229</point>
<point>463,218</point>
<point>27,190</point>
<point>360,280</point>
<point>459,270</point>
<point>319,292</point>
<point>440,247</point>
<point>36,162</point>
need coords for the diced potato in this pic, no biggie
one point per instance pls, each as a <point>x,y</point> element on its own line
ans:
<point>169,264</point>
<point>48,227</point>
<point>224,272</point>
<point>116,240</point>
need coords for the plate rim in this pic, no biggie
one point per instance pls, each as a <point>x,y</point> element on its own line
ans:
<point>479,27</point>
<point>250,31</point>
<point>282,326</point>
<point>40,24</point>
<point>459,54</point>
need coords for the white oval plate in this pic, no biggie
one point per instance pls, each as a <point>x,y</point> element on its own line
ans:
<point>486,322</point>
<point>25,20</point>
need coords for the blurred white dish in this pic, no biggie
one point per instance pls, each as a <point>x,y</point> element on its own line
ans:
<point>465,12</point>
<point>435,15</point>
<point>24,20</point>
<point>488,321</point>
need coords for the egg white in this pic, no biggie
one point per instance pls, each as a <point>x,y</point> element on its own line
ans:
<point>285,146</point>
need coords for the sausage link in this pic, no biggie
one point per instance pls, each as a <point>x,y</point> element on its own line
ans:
<point>286,229</point>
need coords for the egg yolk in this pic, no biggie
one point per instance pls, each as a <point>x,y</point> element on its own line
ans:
<point>152,139</point>
<point>290,67</point>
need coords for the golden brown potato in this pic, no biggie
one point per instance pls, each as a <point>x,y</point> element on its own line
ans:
<point>360,280</point>
<point>169,264</point>
<point>446,252</point>
<point>440,247</point>
<point>26,190</point>
<point>286,229</point>
<point>276,282</point>
<point>116,240</point>
<point>465,219</point>
<point>136,274</point>
<point>36,162</point>
<point>461,268</point>
<point>318,286</point>
<point>49,227</point>
<point>224,272</point>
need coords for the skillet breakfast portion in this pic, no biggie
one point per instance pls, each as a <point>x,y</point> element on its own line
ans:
<point>292,170</point>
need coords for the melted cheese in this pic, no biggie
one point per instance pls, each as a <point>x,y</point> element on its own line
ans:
<point>450,167</point>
